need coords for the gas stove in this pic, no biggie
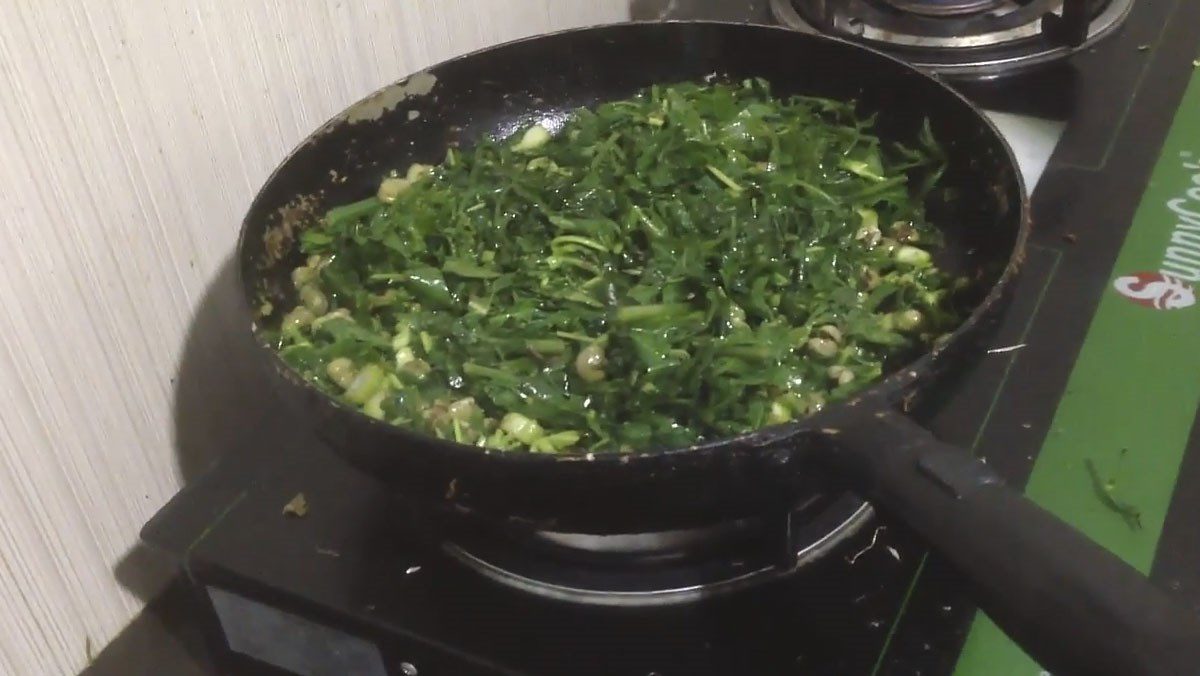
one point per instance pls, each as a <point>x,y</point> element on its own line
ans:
<point>351,579</point>
<point>963,38</point>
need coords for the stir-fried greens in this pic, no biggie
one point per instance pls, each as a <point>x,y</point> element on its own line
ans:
<point>694,262</point>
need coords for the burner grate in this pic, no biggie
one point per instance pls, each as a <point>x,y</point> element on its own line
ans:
<point>656,569</point>
<point>962,38</point>
<point>946,7</point>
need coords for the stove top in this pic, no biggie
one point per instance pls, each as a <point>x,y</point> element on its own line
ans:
<point>355,582</point>
<point>963,38</point>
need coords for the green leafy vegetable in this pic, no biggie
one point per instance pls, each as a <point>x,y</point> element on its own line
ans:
<point>1105,492</point>
<point>697,261</point>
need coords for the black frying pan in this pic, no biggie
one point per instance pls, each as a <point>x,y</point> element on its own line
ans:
<point>1070,603</point>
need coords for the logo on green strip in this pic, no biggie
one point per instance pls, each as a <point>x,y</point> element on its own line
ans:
<point>1168,289</point>
<point>1156,290</point>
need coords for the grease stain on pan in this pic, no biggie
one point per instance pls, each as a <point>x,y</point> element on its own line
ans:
<point>278,239</point>
<point>290,218</point>
<point>376,105</point>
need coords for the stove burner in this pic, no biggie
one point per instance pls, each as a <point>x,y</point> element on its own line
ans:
<point>655,569</point>
<point>945,7</point>
<point>962,38</point>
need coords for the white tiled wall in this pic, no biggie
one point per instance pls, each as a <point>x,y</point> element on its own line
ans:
<point>133,134</point>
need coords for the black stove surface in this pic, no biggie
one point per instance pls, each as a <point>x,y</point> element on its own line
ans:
<point>354,586</point>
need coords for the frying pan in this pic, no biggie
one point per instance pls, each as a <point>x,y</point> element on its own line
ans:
<point>1067,601</point>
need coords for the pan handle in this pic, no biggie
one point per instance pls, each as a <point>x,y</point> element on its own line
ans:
<point>1071,604</point>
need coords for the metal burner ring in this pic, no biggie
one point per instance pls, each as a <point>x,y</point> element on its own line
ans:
<point>944,7</point>
<point>683,593</point>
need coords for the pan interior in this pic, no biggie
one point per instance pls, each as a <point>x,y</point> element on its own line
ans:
<point>543,80</point>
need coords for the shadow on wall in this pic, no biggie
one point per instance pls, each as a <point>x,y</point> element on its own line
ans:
<point>224,404</point>
<point>222,397</point>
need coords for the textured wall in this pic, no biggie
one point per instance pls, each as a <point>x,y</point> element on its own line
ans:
<point>132,136</point>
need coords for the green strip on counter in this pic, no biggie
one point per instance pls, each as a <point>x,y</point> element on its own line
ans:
<point>1134,390</point>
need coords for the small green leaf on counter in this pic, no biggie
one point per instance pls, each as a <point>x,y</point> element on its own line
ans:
<point>1105,490</point>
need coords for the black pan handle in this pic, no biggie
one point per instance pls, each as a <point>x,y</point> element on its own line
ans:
<point>1072,605</point>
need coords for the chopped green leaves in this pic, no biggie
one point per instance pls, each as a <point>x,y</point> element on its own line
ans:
<point>697,261</point>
